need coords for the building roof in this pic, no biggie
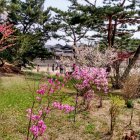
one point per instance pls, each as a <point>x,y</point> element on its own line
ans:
<point>66,47</point>
<point>60,50</point>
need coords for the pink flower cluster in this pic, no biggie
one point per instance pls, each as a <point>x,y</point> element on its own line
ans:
<point>90,77</point>
<point>66,108</point>
<point>38,129</point>
<point>41,91</point>
<point>52,85</point>
<point>6,30</point>
<point>33,116</point>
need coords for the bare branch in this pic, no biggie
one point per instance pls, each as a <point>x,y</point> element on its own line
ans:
<point>90,3</point>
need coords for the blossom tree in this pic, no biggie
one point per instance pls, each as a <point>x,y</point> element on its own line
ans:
<point>6,32</point>
<point>91,56</point>
<point>87,82</point>
<point>6,38</point>
<point>110,58</point>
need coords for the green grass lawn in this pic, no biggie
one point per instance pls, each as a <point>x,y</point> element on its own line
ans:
<point>15,97</point>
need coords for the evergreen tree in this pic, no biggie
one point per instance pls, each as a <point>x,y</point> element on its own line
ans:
<point>67,20</point>
<point>33,28</point>
<point>2,6</point>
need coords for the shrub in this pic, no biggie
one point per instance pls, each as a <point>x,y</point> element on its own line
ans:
<point>129,104</point>
<point>90,80</point>
<point>116,105</point>
<point>131,87</point>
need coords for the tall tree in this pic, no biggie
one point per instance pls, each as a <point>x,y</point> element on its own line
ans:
<point>6,39</point>
<point>114,19</point>
<point>33,28</point>
<point>72,30</point>
<point>111,20</point>
<point>2,5</point>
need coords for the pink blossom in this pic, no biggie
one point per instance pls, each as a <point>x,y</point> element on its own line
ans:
<point>29,110</point>
<point>35,130</point>
<point>63,85</point>
<point>38,129</point>
<point>40,112</point>
<point>89,77</point>
<point>41,91</point>
<point>42,127</point>
<point>51,91</point>
<point>66,108</point>
<point>50,81</point>
<point>38,98</point>
<point>35,117</point>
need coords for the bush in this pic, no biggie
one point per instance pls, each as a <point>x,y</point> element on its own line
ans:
<point>131,87</point>
<point>117,104</point>
<point>129,104</point>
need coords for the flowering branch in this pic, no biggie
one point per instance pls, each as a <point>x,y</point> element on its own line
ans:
<point>37,116</point>
<point>6,36</point>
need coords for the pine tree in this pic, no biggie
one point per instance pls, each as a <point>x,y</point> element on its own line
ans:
<point>33,28</point>
<point>70,26</point>
<point>2,6</point>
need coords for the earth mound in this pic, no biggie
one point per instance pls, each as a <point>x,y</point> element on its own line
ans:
<point>9,68</point>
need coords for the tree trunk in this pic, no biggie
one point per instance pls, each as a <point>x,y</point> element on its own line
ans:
<point>1,62</point>
<point>130,65</point>
<point>109,31</point>
<point>116,82</point>
<point>100,102</point>
<point>74,42</point>
<point>114,33</point>
<point>19,66</point>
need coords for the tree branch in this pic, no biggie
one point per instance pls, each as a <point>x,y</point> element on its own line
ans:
<point>130,65</point>
<point>90,3</point>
